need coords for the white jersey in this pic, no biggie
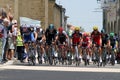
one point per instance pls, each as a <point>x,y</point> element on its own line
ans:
<point>64,33</point>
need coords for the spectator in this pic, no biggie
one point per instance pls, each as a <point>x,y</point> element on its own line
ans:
<point>15,28</point>
<point>5,20</point>
<point>1,36</point>
<point>19,44</point>
<point>12,30</point>
<point>4,38</point>
<point>3,15</point>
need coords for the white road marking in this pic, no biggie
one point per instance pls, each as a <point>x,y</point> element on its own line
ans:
<point>71,69</point>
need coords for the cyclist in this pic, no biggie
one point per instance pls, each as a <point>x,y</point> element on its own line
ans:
<point>105,46</point>
<point>86,45</point>
<point>40,44</point>
<point>103,35</point>
<point>118,52</point>
<point>112,42</point>
<point>50,35</point>
<point>28,35</point>
<point>69,33</point>
<point>61,36</point>
<point>85,40</point>
<point>97,40</point>
<point>61,39</point>
<point>76,41</point>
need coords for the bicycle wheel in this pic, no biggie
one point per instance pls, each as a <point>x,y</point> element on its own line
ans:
<point>33,60</point>
<point>50,56</point>
<point>112,58</point>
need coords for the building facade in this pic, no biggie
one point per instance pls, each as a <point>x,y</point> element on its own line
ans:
<point>56,14</point>
<point>111,17</point>
<point>43,10</point>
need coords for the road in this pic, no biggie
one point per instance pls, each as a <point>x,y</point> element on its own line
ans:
<point>55,75</point>
<point>59,72</point>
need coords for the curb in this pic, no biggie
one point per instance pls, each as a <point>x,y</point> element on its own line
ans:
<point>11,62</point>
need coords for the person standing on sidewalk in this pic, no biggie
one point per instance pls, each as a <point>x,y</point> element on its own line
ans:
<point>4,38</point>
<point>20,46</point>
<point>1,36</point>
<point>5,19</point>
<point>3,23</point>
<point>12,34</point>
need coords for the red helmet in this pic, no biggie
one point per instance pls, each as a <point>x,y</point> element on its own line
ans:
<point>60,29</point>
<point>85,34</point>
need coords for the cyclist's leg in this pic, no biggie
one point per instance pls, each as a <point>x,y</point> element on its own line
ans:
<point>93,48</point>
<point>46,49</point>
<point>35,51</point>
<point>99,53</point>
<point>73,52</point>
<point>26,50</point>
<point>42,52</point>
<point>80,51</point>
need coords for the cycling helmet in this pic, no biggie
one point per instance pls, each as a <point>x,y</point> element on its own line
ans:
<point>85,34</point>
<point>32,29</point>
<point>37,28</point>
<point>60,29</point>
<point>95,27</point>
<point>102,31</point>
<point>77,28</point>
<point>111,34</point>
<point>51,26</point>
<point>88,34</point>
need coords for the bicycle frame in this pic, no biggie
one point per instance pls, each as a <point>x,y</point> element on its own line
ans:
<point>31,54</point>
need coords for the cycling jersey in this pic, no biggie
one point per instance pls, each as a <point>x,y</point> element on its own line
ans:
<point>28,35</point>
<point>50,35</point>
<point>61,38</point>
<point>85,42</point>
<point>69,32</point>
<point>40,35</point>
<point>76,38</point>
<point>32,35</point>
<point>96,38</point>
<point>113,42</point>
<point>104,39</point>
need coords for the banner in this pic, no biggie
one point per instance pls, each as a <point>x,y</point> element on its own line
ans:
<point>28,21</point>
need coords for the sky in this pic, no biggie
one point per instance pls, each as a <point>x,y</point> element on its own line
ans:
<point>83,13</point>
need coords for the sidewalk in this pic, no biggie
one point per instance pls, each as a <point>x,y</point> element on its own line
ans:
<point>1,65</point>
<point>9,62</point>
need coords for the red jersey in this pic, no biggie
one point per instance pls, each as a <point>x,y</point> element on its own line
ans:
<point>85,42</point>
<point>96,37</point>
<point>76,38</point>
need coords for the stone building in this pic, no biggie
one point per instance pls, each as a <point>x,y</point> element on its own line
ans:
<point>59,16</point>
<point>56,14</point>
<point>46,11</point>
<point>111,17</point>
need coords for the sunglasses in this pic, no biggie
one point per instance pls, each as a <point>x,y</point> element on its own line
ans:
<point>15,23</point>
<point>95,30</point>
